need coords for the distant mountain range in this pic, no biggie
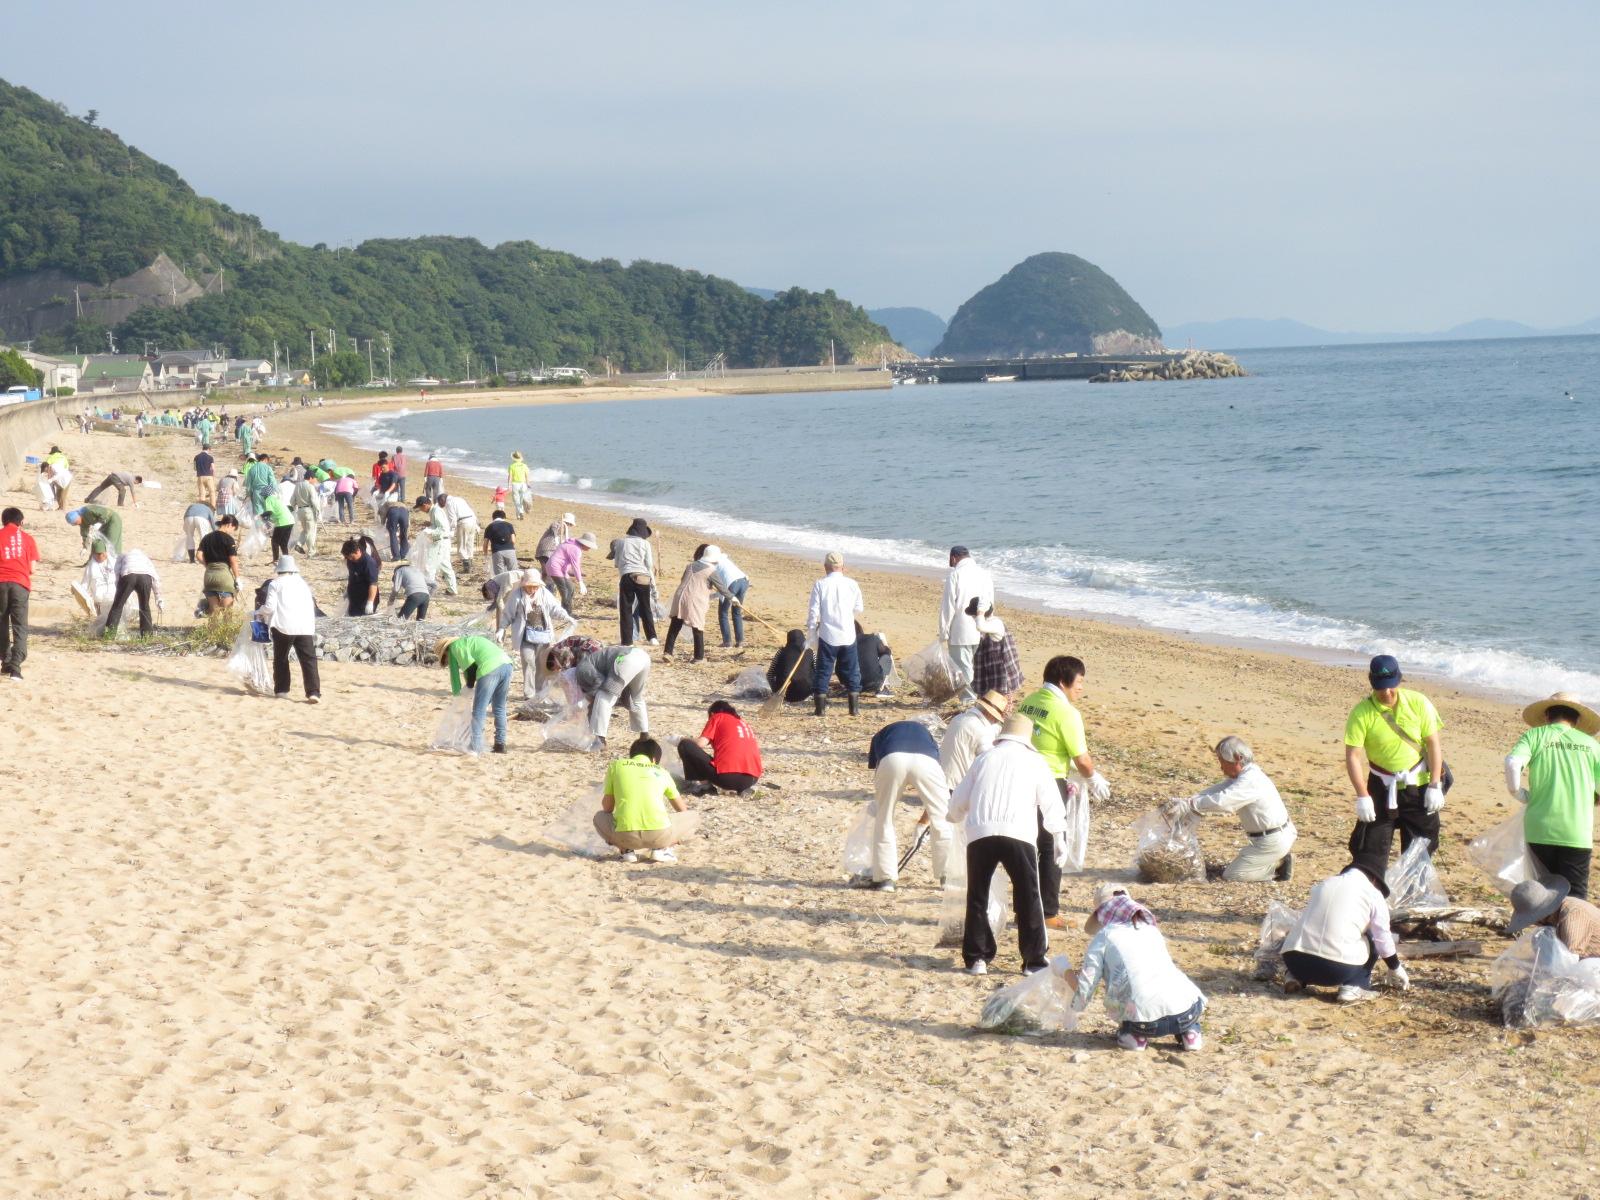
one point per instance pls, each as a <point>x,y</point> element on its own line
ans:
<point>1255,333</point>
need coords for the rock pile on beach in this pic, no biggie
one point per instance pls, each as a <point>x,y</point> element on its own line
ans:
<point>1192,364</point>
<point>380,639</point>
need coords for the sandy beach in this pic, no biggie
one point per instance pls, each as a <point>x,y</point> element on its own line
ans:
<point>261,948</point>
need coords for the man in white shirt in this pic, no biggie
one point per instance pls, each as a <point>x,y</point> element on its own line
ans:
<point>968,590</point>
<point>831,628</point>
<point>136,576</point>
<point>290,611</point>
<point>464,526</point>
<point>969,734</point>
<point>1000,801</point>
<point>1248,794</point>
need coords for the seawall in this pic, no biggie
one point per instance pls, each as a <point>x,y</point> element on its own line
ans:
<point>24,426</point>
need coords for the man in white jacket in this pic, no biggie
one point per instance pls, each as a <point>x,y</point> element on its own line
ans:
<point>1000,801</point>
<point>536,622</point>
<point>1246,793</point>
<point>463,526</point>
<point>290,611</point>
<point>968,590</point>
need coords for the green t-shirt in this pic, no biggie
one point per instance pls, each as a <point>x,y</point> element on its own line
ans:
<point>1386,749</point>
<point>1057,729</point>
<point>473,651</point>
<point>1562,767</point>
<point>641,791</point>
<point>273,507</point>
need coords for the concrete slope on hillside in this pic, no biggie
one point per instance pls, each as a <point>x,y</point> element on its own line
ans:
<point>47,300</point>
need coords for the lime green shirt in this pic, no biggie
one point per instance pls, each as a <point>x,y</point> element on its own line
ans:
<point>473,651</point>
<point>273,507</point>
<point>1563,763</point>
<point>641,791</point>
<point>1386,749</point>
<point>1057,729</point>
<point>518,471</point>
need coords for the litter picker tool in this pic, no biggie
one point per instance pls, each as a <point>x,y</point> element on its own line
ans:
<point>775,701</point>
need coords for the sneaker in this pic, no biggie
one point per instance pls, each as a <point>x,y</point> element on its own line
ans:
<point>313,699</point>
<point>15,674</point>
<point>868,883</point>
<point>598,744</point>
<point>499,748</point>
<point>629,856</point>
<point>885,694</point>
<point>976,968</point>
<point>882,885</point>
<point>665,856</point>
<point>1292,986</point>
<point>1035,970</point>
<point>1131,1041</point>
<point>1285,871</point>
<point>1191,1039</point>
<point>1349,993</point>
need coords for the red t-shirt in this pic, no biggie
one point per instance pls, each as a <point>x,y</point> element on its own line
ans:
<point>18,553</point>
<point>733,746</point>
<point>434,469</point>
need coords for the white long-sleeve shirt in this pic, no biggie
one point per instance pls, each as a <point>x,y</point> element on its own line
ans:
<point>969,734</point>
<point>1340,915</point>
<point>457,510</point>
<point>835,601</point>
<point>137,562</point>
<point>1004,791</point>
<point>967,581</point>
<point>1252,797</point>
<point>289,607</point>
<point>1142,982</point>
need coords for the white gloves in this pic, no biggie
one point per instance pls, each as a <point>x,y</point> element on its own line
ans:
<point>1432,799</point>
<point>1365,812</point>
<point>1176,808</point>
<point>1061,850</point>
<point>1099,789</point>
<point>1399,979</point>
<point>583,588</point>
<point>1514,779</point>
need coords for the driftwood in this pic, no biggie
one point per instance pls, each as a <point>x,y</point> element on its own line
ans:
<point>1440,949</point>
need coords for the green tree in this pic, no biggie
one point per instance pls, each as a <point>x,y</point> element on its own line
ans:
<point>343,369</point>
<point>15,372</point>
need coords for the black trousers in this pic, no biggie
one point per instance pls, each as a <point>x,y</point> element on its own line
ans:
<point>633,599</point>
<point>1373,839</point>
<point>675,627</point>
<point>280,540</point>
<point>13,626</point>
<point>304,646</point>
<point>416,605</point>
<point>1568,862</point>
<point>1049,873</point>
<point>1021,863</point>
<point>700,767</point>
<point>398,522</point>
<point>131,585</point>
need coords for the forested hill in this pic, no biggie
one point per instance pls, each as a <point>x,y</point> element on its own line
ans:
<point>78,205</point>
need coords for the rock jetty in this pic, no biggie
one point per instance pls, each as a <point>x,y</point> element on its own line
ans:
<point>1192,364</point>
<point>381,639</point>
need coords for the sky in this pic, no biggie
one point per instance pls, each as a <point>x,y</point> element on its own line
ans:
<point>1361,166</point>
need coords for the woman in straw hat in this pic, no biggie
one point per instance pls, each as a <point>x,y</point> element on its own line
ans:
<point>1576,922</point>
<point>1562,760</point>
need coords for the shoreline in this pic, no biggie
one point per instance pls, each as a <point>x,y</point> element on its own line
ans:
<point>1345,658</point>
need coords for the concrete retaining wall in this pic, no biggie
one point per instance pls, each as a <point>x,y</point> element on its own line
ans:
<point>27,429</point>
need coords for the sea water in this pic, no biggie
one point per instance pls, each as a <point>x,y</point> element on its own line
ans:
<point>1437,501</point>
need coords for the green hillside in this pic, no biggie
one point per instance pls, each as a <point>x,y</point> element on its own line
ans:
<point>76,199</point>
<point>1049,304</point>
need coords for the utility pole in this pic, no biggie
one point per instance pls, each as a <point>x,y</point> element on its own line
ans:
<point>388,350</point>
<point>333,340</point>
<point>496,358</point>
<point>369,360</point>
<point>313,347</point>
<point>833,363</point>
<point>274,356</point>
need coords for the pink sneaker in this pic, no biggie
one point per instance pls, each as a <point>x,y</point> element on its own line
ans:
<point>1192,1040</point>
<point>1131,1041</point>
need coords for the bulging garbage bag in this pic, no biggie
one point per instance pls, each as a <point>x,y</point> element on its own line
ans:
<point>255,540</point>
<point>751,684</point>
<point>1041,1001</point>
<point>180,549</point>
<point>251,662</point>
<point>932,673</point>
<point>1168,851</point>
<point>953,895</point>
<point>454,733</point>
<point>1413,883</point>
<point>1275,928</point>
<point>1538,981</point>
<point>569,729</point>
<point>856,858</point>
<point>574,828</point>
<point>1503,852</point>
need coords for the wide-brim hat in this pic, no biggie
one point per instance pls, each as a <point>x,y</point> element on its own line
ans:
<point>287,565</point>
<point>1588,719</point>
<point>516,454</point>
<point>1532,902</point>
<point>569,518</point>
<point>588,541</point>
<point>995,704</point>
<point>441,648</point>
<point>1017,726</point>
<point>711,554</point>
<point>1373,872</point>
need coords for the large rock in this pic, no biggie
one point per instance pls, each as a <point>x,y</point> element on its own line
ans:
<point>381,639</point>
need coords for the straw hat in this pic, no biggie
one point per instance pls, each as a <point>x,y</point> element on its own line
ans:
<point>532,577</point>
<point>517,455</point>
<point>1532,902</point>
<point>1017,726</point>
<point>441,648</point>
<point>833,559</point>
<point>588,541</point>
<point>569,519</point>
<point>1588,719</point>
<point>994,704</point>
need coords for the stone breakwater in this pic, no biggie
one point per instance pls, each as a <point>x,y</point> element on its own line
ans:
<point>382,639</point>
<point>1193,364</point>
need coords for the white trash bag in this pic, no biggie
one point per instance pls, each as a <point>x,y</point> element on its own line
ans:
<point>574,828</point>
<point>1503,852</point>
<point>931,671</point>
<point>1076,834</point>
<point>454,732</point>
<point>856,858</point>
<point>1413,883</point>
<point>953,896</point>
<point>751,684</point>
<point>1275,929</point>
<point>569,729</point>
<point>1539,982</point>
<point>180,548</point>
<point>251,661</point>
<point>255,540</point>
<point>1041,1001</point>
<point>1168,851</point>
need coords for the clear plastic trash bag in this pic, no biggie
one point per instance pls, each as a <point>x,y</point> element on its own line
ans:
<point>569,728</point>
<point>751,684</point>
<point>1168,851</point>
<point>1076,834</point>
<point>1413,883</point>
<point>251,662</point>
<point>180,548</point>
<point>1538,982</point>
<point>255,540</point>
<point>574,828</point>
<point>953,896</point>
<point>856,857</point>
<point>1041,1001</point>
<point>454,732</point>
<point>1503,852</point>
<point>931,671</point>
<point>1275,928</point>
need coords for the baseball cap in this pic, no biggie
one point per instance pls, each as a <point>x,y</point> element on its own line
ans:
<point>1384,671</point>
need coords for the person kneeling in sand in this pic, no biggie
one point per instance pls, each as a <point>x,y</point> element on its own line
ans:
<point>1145,990</point>
<point>641,813</point>
<point>1247,793</point>
<point>725,757</point>
<point>1576,922</point>
<point>1343,931</point>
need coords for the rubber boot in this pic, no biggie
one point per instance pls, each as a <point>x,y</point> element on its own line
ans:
<point>820,702</point>
<point>855,704</point>
<point>191,556</point>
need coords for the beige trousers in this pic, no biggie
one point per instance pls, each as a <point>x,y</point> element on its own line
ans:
<point>683,827</point>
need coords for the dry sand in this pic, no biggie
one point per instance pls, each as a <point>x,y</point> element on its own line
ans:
<point>258,948</point>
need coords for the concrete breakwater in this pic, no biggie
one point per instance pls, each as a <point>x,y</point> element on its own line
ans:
<point>1191,364</point>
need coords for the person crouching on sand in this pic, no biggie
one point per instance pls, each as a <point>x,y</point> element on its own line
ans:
<point>1342,932</point>
<point>641,812</point>
<point>1145,991</point>
<point>725,757</point>
<point>1247,793</point>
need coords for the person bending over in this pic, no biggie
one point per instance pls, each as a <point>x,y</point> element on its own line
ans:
<point>1145,990</point>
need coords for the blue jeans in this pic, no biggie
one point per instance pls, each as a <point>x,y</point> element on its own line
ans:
<point>849,667</point>
<point>725,607</point>
<point>495,688</point>
<point>1173,1026</point>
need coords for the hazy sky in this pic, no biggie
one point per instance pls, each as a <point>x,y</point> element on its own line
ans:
<point>1356,166</point>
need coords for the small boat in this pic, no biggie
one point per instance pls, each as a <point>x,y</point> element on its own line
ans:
<point>906,380</point>
<point>999,378</point>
